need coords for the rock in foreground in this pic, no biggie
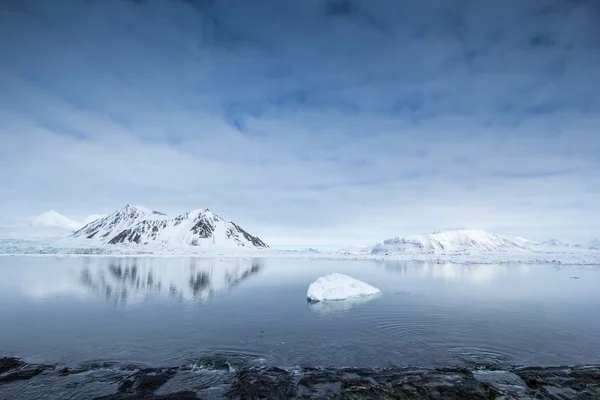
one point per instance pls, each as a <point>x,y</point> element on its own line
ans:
<point>20,380</point>
<point>564,383</point>
<point>338,287</point>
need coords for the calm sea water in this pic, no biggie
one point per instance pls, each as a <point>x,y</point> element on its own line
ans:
<point>170,311</point>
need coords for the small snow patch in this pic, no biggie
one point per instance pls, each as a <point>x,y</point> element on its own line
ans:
<point>338,287</point>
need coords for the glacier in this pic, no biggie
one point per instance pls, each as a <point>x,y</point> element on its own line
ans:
<point>48,247</point>
<point>338,287</point>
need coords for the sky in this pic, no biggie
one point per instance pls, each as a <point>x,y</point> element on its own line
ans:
<point>308,123</point>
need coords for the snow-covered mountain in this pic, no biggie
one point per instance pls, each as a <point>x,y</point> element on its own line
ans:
<point>56,221</point>
<point>594,244</point>
<point>53,219</point>
<point>104,229</point>
<point>523,241</point>
<point>455,241</point>
<point>91,218</point>
<point>139,225</point>
<point>556,243</point>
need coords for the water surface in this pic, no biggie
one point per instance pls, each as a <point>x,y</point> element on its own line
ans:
<point>172,311</point>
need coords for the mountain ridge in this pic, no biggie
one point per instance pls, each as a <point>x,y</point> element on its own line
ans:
<point>460,241</point>
<point>141,226</point>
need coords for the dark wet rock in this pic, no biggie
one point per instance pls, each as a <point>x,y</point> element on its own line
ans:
<point>24,373</point>
<point>564,382</point>
<point>9,363</point>
<point>143,383</point>
<point>147,380</point>
<point>426,384</point>
<point>504,381</point>
<point>532,383</point>
<point>214,377</point>
<point>272,383</point>
<point>357,384</point>
<point>13,369</point>
<point>184,395</point>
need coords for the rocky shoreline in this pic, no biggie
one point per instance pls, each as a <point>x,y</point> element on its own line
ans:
<point>112,381</point>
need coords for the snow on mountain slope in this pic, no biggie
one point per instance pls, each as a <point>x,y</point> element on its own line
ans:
<point>52,219</point>
<point>106,228</point>
<point>92,218</point>
<point>138,225</point>
<point>456,241</point>
<point>523,241</point>
<point>555,243</point>
<point>593,244</point>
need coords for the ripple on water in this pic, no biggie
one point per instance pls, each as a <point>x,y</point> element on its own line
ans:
<point>225,360</point>
<point>441,336</point>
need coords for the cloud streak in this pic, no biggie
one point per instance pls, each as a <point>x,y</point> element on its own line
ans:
<point>308,122</point>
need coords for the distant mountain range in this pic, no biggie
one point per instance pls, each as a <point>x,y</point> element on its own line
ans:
<point>139,225</point>
<point>467,241</point>
<point>447,242</point>
<point>203,229</point>
<point>55,220</point>
<point>594,244</point>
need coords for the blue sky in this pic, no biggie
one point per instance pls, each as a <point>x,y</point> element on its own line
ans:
<point>307,122</point>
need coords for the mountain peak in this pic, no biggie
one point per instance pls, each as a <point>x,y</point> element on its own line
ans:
<point>139,225</point>
<point>53,219</point>
<point>50,214</point>
<point>136,208</point>
<point>118,220</point>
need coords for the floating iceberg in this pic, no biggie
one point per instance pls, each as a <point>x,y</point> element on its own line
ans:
<point>338,287</point>
<point>332,307</point>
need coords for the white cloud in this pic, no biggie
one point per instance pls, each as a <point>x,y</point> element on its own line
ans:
<point>302,126</point>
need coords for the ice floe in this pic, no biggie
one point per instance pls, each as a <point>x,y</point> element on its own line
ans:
<point>338,287</point>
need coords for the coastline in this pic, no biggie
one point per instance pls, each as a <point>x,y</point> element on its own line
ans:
<point>42,248</point>
<point>217,378</point>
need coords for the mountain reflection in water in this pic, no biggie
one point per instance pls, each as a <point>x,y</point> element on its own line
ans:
<point>474,273</point>
<point>133,279</point>
<point>169,311</point>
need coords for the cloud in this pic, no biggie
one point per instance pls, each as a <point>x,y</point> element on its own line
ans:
<point>307,122</point>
